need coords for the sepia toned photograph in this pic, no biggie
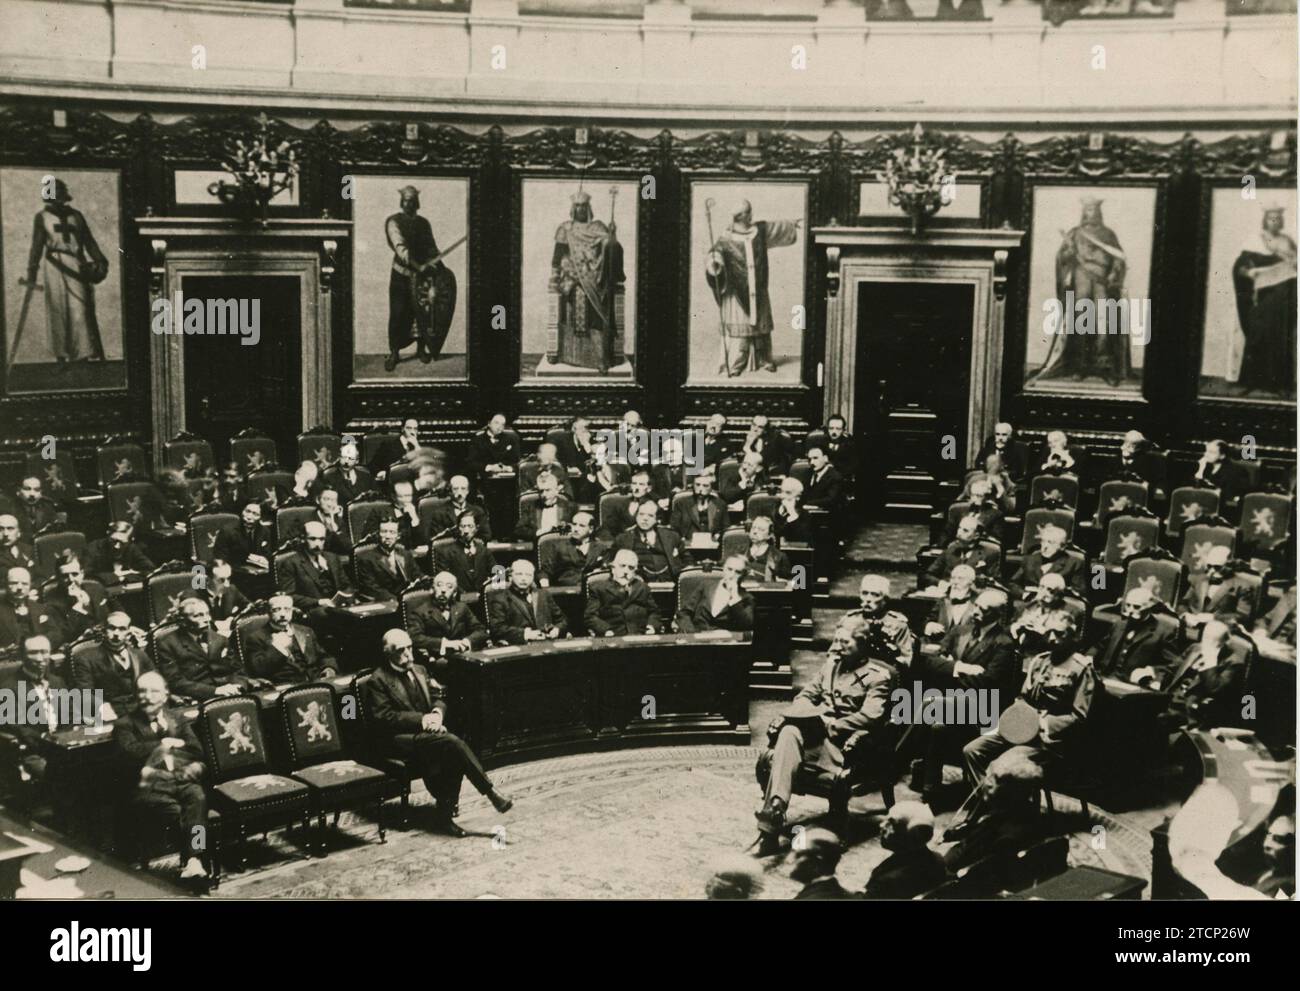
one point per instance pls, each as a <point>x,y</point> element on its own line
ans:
<point>568,456</point>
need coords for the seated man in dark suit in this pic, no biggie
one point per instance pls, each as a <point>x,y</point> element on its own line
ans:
<point>14,551</point>
<point>522,612</point>
<point>574,448</point>
<point>197,661</point>
<point>792,523</point>
<point>1205,684</point>
<point>548,463</point>
<point>670,474</point>
<point>406,710</point>
<point>1014,453</point>
<point>763,562</point>
<point>1217,467</point>
<point>392,450</point>
<point>982,503</point>
<point>408,520</point>
<point>21,616</point>
<point>620,514</point>
<point>224,599</point>
<point>77,607</point>
<point>34,511</point>
<point>285,653</point>
<point>956,605</point>
<point>1036,616</point>
<point>966,548</point>
<point>566,562</point>
<point>312,576</point>
<point>491,450</point>
<point>771,442</point>
<point>548,512</point>
<point>727,606</point>
<point>115,559</point>
<point>746,481</point>
<point>32,684</point>
<point>468,558</point>
<point>840,446</point>
<point>978,658</point>
<point>345,476</point>
<point>1010,820</point>
<point>1135,642</point>
<point>442,626</point>
<point>384,569</point>
<point>911,868</point>
<point>1049,558</point>
<point>445,519</point>
<point>167,758</point>
<point>1218,591</point>
<point>826,486</point>
<point>1059,455</point>
<point>113,667</point>
<point>329,514</point>
<point>623,605</point>
<point>705,513</point>
<point>816,859</point>
<point>1131,460</point>
<point>247,544</point>
<point>658,549</point>
<point>717,448</point>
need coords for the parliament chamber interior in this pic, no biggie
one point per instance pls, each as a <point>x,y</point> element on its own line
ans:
<point>643,449</point>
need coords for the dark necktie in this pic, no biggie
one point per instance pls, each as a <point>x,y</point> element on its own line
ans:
<point>417,691</point>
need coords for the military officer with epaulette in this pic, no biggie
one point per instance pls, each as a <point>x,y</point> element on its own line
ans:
<point>842,716</point>
<point>874,592</point>
<point>1059,684</point>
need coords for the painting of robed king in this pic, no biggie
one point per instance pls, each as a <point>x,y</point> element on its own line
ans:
<point>1089,314</point>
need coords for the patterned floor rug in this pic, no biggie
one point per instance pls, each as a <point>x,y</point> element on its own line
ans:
<point>649,823</point>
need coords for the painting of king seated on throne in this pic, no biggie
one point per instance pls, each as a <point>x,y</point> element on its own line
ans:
<point>579,278</point>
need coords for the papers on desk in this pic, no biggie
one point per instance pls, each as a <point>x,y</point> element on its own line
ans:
<point>702,541</point>
<point>572,644</point>
<point>711,635</point>
<point>342,598</point>
<point>500,651</point>
<point>640,638</point>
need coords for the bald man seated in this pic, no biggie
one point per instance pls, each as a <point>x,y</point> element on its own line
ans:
<point>407,709</point>
<point>623,605</point>
<point>522,612</point>
<point>311,576</point>
<point>442,626</point>
<point>911,868</point>
<point>1135,642</point>
<point>442,520</point>
<point>22,616</point>
<point>285,652</point>
<point>385,568</point>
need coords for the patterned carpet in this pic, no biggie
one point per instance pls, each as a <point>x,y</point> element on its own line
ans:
<point>648,823</point>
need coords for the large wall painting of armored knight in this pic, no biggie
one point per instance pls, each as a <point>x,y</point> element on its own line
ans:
<point>410,283</point>
<point>1249,343</point>
<point>749,243</point>
<point>62,279</point>
<point>1089,309</point>
<point>578,280</point>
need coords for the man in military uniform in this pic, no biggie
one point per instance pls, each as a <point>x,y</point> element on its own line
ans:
<point>874,594</point>
<point>1059,687</point>
<point>70,265</point>
<point>842,716</point>
<point>1048,602</point>
<point>416,267</point>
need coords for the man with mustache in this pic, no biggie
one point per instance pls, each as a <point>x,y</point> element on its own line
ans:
<point>566,562</point>
<point>845,708</point>
<point>522,612</point>
<point>33,510</point>
<point>408,519</point>
<point>747,480</point>
<point>763,562</point>
<point>21,616</point>
<point>113,667</point>
<point>329,514</point>
<point>467,557</point>
<point>1014,452</point>
<point>442,626</point>
<point>14,551</point>
<point>623,605</point>
<point>197,661</point>
<point>386,568</point>
<point>1049,601</point>
<point>1049,558</point>
<point>619,514</point>
<point>792,523</point>
<point>444,517</point>
<point>954,608</point>
<point>408,709</point>
<point>717,448</point>
<point>32,683</point>
<point>725,606</point>
<point>284,652</point>
<point>966,548</point>
<point>546,513</point>
<point>1205,684</point>
<point>312,576</point>
<point>658,549</point>
<point>79,606</point>
<point>703,513</point>
<point>1135,642</point>
<point>248,543</point>
<point>1218,591</point>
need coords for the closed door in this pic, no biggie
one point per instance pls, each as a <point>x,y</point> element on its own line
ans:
<point>913,389</point>
<point>230,384</point>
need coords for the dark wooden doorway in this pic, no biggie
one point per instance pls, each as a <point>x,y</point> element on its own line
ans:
<point>230,385</point>
<point>912,391</point>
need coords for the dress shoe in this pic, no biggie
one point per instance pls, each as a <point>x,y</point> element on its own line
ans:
<point>448,827</point>
<point>958,829</point>
<point>391,361</point>
<point>767,845</point>
<point>771,817</point>
<point>502,803</point>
